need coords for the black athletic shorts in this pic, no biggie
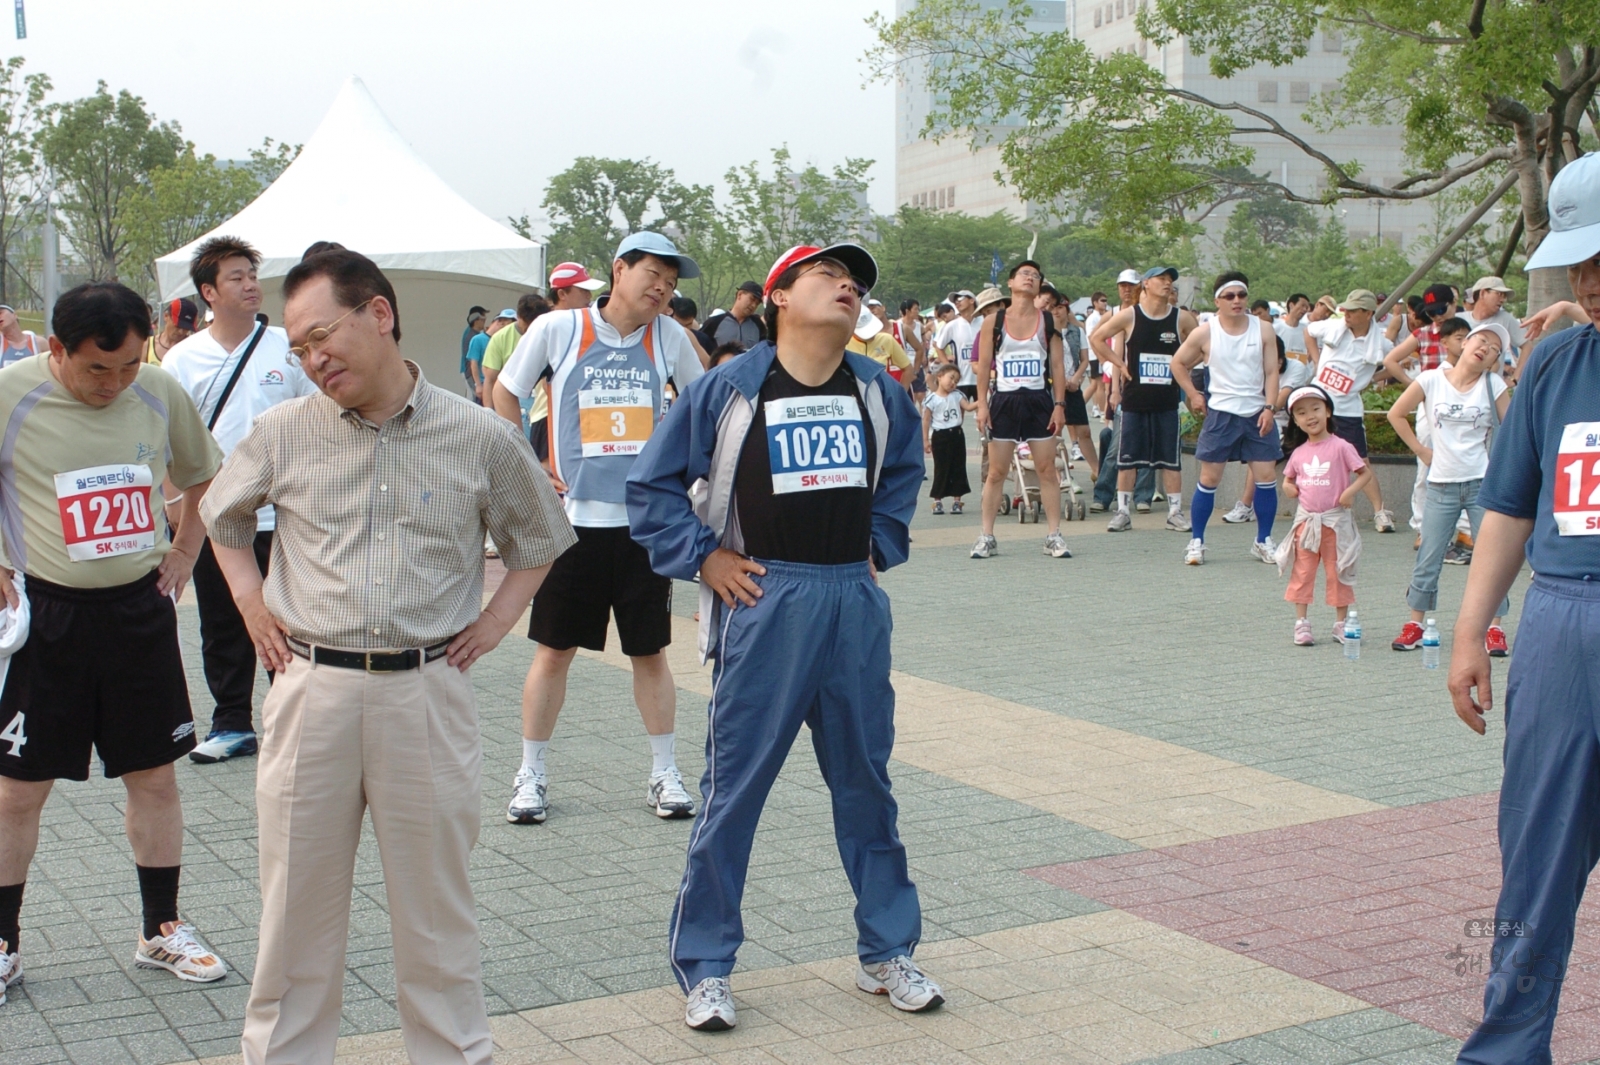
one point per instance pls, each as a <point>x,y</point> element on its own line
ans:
<point>604,573</point>
<point>1077,409</point>
<point>1353,429</point>
<point>1148,438</point>
<point>539,437</point>
<point>100,669</point>
<point>1021,416</point>
<point>970,391</point>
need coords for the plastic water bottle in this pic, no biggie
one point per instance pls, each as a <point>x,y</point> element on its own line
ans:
<point>1352,635</point>
<point>1430,645</point>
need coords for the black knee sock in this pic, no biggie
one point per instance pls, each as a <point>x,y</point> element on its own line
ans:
<point>158,890</point>
<point>10,907</point>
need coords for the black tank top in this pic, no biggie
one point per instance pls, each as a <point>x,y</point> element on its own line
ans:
<point>1151,345</point>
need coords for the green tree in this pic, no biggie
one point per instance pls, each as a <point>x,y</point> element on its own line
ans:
<point>596,202</point>
<point>271,160</point>
<point>926,254</point>
<point>1478,86</point>
<point>1284,252</point>
<point>180,203</point>
<point>103,149</point>
<point>22,172</point>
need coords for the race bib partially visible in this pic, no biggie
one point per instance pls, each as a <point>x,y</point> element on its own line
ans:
<point>1021,372</point>
<point>1155,369</point>
<point>105,511</point>
<point>615,421</point>
<point>1577,489</point>
<point>1338,383</point>
<point>815,442</point>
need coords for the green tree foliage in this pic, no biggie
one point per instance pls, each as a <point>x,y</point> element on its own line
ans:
<point>1284,249</point>
<point>22,172</point>
<point>103,149</point>
<point>596,202</point>
<point>179,203</point>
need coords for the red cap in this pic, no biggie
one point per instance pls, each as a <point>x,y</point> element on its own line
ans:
<point>856,259</point>
<point>573,275</point>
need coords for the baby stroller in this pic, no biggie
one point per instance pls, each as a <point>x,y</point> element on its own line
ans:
<point>1025,499</point>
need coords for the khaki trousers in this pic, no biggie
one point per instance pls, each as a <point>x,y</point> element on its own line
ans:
<point>336,743</point>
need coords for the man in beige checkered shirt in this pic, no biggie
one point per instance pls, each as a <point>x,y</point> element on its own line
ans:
<point>371,615</point>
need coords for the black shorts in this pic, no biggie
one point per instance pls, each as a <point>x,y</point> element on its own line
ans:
<point>1021,416</point>
<point>100,669</point>
<point>1094,371</point>
<point>970,391</point>
<point>1148,438</point>
<point>604,573</point>
<point>1077,409</point>
<point>539,437</point>
<point>1353,429</point>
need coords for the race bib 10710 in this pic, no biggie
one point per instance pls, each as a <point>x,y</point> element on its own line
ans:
<point>1577,490</point>
<point>815,442</point>
<point>105,511</point>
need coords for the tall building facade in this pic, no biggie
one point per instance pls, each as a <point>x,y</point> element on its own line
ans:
<point>954,175</point>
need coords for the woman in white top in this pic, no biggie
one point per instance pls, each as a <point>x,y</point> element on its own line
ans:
<point>1465,403</point>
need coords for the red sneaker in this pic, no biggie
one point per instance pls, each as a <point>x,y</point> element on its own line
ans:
<point>1410,637</point>
<point>1495,642</point>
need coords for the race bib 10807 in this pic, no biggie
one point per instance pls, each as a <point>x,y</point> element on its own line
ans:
<point>815,442</point>
<point>1155,369</point>
<point>1576,499</point>
<point>105,511</point>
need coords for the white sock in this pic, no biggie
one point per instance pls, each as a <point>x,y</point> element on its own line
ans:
<point>1174,502</point>
<point>533,755</point>
<point>1124,501</point>
<point>663,751</point>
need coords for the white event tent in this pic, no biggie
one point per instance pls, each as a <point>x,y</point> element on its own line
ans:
<point>359,183</point>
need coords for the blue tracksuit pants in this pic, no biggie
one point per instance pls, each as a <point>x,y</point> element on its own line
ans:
<point>814,649</point>
<point>1549,818</point>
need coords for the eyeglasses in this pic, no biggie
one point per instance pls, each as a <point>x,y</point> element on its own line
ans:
<point>837,271</point>
<point>1036,275</point>
<point>1234,296</point>
<point>319,336</point>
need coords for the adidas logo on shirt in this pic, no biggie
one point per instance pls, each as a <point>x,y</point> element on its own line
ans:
<point>1315,472</point>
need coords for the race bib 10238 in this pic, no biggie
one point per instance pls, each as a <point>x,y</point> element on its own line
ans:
<point>815,442</point>
<point>1576,498</point>
<point>105,511</point>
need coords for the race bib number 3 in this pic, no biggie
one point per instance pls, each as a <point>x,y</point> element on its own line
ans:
<point>1338,383</point>
<point>614,421</point>
<point>1577,490</point>
<point>105,511</point>
<point>815,442</point>
<point>1155,369</point>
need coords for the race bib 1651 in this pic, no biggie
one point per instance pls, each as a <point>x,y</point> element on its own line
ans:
<point>815,442</point>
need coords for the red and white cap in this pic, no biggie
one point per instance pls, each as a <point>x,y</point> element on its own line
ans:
<point>855,258</point>
<point>573,275</point>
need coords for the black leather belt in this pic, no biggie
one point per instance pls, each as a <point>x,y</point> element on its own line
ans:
<point>369,661</point>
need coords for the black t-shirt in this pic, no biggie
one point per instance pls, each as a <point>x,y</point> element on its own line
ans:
<point>803,487</point>
<point>1157,340</point>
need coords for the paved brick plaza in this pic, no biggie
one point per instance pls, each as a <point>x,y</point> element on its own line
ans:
<point>1145,828</point>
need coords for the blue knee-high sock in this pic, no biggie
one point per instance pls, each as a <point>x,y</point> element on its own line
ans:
<point>1200,509</point>
<point>1266,508</point>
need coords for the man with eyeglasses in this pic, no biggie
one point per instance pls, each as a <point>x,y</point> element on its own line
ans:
<point>607,369</point>
<point>235,370</point>
<point>371,615</point>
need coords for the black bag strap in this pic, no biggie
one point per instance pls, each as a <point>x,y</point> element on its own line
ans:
<point>216,412</point>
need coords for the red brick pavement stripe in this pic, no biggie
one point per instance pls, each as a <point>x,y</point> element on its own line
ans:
<point>1374,905</point>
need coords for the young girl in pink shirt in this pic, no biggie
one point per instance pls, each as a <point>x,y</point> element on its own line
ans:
<point>1325,474</point>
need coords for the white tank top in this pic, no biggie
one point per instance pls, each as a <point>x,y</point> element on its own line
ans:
<point>1019,364</point>
<point>1238,381</point>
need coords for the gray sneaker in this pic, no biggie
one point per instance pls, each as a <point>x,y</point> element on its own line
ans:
<point>907,986</point>
<point>1120,522</point>
<point>985,547</point>
<point>1055,545</point>
<point>710,1006</point>
<point>1178,521</point>
<point>527,805</point>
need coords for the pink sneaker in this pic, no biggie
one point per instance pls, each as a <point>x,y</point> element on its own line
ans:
<point>1302,633</point>
<point>1338,630</point>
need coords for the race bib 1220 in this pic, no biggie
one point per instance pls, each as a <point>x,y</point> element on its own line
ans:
<point>1577,490</point>
<point>815,442</point>
<point>105,511</point>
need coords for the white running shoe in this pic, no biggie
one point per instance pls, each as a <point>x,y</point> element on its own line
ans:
<point>906,985</point>
<point>710,1007</point>
<point>180,953</point>
<point>1178,521</point>
<point>1241,513</point>
<point>528,791</point>
<point>1265,550</point>
<point>667,797</point>
<point>1077,453</point>
<point>1120,522</point>
<point>10,969</point>
<point>1195,555</point>
<point>985,547</point>
<point>1055,545</point>
<point>1383,521</point>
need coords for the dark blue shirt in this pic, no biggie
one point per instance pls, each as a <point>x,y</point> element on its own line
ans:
<point>1532,472</point>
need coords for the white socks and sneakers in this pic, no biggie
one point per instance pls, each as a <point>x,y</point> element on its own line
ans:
<point>710,1005</point>
<point>667,797</point>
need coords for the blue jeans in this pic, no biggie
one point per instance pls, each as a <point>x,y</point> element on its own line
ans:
<point>1445,504</point>
<point>1105,488</point>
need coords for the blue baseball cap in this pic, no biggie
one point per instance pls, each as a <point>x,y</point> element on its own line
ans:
<point>1574,235</point>
<point>509,312</point>
<point>1157,271</point>
<point>662,248</point>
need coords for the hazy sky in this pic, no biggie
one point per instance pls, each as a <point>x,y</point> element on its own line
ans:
<point>496,95</point>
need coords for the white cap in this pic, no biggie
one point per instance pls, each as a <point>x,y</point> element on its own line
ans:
<point>867,325</point>
<point>1497,329</point>
<point>1574,216</point>
<point>1128,277</point>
